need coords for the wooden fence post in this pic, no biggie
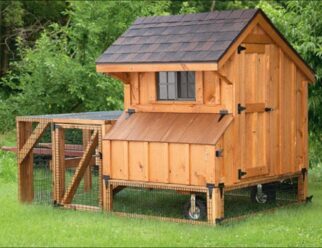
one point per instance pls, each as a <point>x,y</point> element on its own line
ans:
<point>25,166</point>
<point>58,162</point>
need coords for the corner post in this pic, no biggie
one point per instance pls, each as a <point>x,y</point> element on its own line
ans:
<point>58,161</point>
<point>215,204</point>
<point>25,167</point>
<point>302,186</point>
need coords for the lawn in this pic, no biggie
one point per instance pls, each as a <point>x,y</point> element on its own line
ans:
<point>41,225</point>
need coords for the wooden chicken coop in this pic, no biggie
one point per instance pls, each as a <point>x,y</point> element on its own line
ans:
<point>213,102</point>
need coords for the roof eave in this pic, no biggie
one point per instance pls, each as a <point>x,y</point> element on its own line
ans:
<point>155,67</point>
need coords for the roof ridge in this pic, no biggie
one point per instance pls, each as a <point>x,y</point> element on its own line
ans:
<point>186,17</point>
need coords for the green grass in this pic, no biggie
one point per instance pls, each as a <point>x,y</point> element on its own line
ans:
<point>36,225</point>
<point>43,225</point>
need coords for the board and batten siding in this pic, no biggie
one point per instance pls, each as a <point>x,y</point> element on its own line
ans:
<point>278,138</point>
<point>186,164</point>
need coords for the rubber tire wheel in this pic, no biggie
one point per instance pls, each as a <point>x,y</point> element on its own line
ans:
<point>200,203</point>
<point>268,189</point>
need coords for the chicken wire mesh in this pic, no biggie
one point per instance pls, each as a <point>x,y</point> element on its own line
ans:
<point>42,169</point>
<point>156,203</point>
<point>88,191</point>
<point>258,198</point>
<point>177,205</point>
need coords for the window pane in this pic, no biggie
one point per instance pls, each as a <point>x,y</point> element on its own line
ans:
<point>171,91</point>
<point>191,77</point>
<point>191,90</point>
<point>182,85</point>
<point>163,77</point>
<point>163,93</point>
<point>171,77</point>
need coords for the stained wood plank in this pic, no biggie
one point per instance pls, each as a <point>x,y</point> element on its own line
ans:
<point>254,48</point>
<point>119,160</point>
<point>179,163</point>
<point>199,87</point>
<point>258,39</point>
<point>135,88</point>
<point>159,162</point>
<point>202,165</point>
<point>138,161</point>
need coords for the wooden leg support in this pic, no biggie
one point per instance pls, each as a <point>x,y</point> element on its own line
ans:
<point>302,187</point>
<point>215,206</point>
<point>25,166</point>
<point>108,197</point>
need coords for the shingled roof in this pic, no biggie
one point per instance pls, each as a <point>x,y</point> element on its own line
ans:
<point>202,37</point>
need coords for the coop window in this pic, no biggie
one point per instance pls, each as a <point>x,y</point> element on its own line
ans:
<point>176,85</point>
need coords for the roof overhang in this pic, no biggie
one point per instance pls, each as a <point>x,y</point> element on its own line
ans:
<point>155,67</point>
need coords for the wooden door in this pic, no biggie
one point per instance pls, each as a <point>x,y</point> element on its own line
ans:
<point>254,115</point>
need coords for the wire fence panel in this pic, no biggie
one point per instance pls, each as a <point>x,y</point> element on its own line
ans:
<point>42,169</point>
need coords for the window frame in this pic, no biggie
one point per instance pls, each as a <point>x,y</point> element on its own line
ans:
<point>176,87</point>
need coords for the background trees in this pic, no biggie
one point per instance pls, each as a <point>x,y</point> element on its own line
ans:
<point>48,51</point>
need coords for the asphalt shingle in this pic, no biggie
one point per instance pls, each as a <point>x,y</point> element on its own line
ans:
<point>202,37</point>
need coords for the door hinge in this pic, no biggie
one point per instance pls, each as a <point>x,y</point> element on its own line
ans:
<point>219,153</point>
<point>241,173</point>
<point>240,49</point>
<point>304,172</point>
<point>240,108</point>
<point>106,178</point>
<point>222,113</point>
<point>268,109</point>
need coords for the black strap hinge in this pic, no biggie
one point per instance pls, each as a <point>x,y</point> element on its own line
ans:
<point>221,187</point>
<point>241,174</point>
<point>240,48</point>
<point>304,172</point>
<point>219,153</point>
<point>222,113</point>
<point>106,178</point>
<point>240,108</point>
<point>268,109</point>
<point>212,186</point>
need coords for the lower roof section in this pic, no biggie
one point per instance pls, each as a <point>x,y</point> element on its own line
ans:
<point>98,117</point>
<point>188,128</point>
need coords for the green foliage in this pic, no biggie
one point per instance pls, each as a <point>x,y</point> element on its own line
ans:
<point>8,168</point>
<point>58,73</point>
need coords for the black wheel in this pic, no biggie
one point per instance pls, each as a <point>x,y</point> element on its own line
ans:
<point>263,194</point>
<point>200,212</point>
